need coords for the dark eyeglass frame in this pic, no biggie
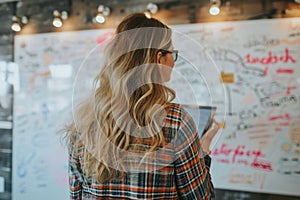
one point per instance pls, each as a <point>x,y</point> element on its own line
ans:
<point>174,53</point>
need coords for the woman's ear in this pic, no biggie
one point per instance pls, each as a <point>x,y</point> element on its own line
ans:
<point>159,57</point>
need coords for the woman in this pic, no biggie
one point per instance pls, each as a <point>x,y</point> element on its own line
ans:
<point>128,141</point>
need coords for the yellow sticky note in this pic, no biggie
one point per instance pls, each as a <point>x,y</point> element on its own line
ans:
<point>227,77</point>
<point>222,124</point>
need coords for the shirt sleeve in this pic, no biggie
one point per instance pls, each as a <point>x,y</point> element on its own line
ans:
<point>193,180</point>
<point>75,172</point>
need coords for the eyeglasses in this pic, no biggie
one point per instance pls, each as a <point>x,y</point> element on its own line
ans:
<point>174,53</point>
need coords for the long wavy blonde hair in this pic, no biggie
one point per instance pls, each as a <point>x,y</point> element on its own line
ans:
<point>128,103</point>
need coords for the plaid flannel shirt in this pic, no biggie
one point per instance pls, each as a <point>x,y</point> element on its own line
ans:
<point>187,177</point>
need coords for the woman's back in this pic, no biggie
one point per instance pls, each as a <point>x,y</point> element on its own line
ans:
<point>176,170</point>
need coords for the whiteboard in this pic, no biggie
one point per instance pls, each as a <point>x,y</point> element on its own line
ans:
<point>258,149</point>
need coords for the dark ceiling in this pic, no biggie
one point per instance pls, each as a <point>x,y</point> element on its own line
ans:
<point>40,12</point>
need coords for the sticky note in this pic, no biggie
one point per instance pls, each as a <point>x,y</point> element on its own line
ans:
<point>297,151</point>
<point>227,77</point>
<point>222,124</point>
<point>1,184</point>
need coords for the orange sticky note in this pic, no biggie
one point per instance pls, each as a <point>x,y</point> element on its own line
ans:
<point>227,77</point>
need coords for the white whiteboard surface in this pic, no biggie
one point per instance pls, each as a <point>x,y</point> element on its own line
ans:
<point>258,150</point>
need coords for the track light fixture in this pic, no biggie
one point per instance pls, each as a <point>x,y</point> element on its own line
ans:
<point>15,26</point>
<point>103,12</point>
<point>18,23</point>
<point>59,17</point>
<point>215,7</point>
<point>151,9</point>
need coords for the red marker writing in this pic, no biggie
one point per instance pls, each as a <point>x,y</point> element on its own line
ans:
<point>285,71</point>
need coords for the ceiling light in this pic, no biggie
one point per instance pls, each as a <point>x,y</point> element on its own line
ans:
<point>214,10</point>
<point>57,22</point>
<point>100,18</point>
<point>15,26</point>
<point>153,8</point>
<point>24,20</point>
<point>59,17</point>
<point>103,12</point>
<point>215,7</point>
<point>64,15</point>
<point>18,23</point>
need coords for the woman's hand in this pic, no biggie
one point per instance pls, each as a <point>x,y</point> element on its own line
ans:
<point>208,136</point>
